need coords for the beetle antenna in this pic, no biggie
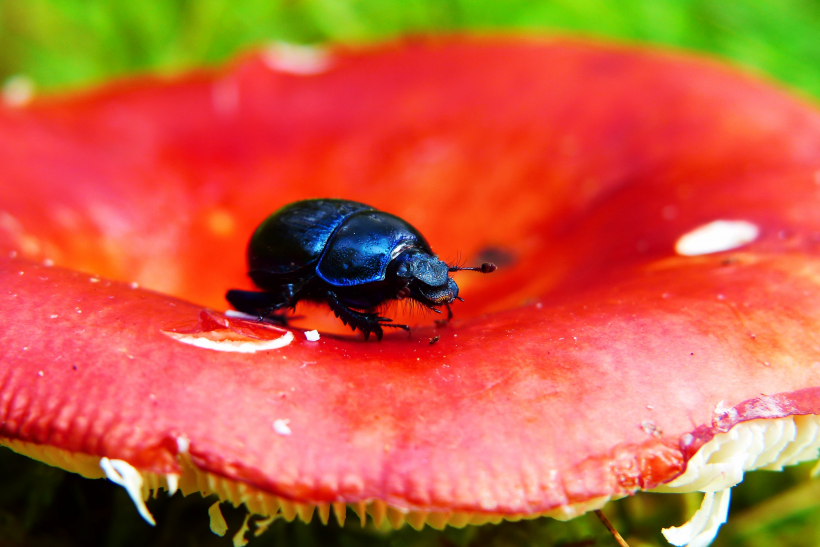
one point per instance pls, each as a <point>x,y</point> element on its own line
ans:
<point>487,267</point>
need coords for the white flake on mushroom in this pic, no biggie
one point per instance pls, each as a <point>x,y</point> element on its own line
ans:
<point>235,346</point>
<point>123,473</point>
<point>282,427</point>
<point>297,59</point>
<point>701,529</point>
<point>17,91</point>
<point>717,236</point>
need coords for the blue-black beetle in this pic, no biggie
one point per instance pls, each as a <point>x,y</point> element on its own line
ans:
<point>348,255</point>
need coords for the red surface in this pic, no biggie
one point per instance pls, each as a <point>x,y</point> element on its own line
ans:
<point>582,163</point>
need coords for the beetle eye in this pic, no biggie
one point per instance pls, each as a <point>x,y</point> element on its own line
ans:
<point>405,269</point>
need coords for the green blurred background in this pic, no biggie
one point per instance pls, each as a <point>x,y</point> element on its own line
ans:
<point>70,44</point>
<point>59,43</point>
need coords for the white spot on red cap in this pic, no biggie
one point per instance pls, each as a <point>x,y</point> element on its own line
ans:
<point>18,91</point>
<point>297,59</point>
<point>234,346</point>
<point>650,428</point>
<point>281,427</point>
<point>717,236</point>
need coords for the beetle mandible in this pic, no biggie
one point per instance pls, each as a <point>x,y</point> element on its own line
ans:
<point>348,255</point>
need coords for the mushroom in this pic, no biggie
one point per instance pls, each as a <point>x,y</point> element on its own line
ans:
<point>617,349</point>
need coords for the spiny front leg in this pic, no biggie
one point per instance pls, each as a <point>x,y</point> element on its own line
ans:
<point>365,322</point>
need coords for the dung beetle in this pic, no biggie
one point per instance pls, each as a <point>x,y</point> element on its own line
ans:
<point>348,255</point>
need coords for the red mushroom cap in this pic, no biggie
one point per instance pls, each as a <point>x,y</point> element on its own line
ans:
<point>587,367</point>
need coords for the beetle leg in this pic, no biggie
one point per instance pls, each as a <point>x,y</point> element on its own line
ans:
<point>278,318</point>
<point>290,292</point>
<point>432,309</point>
<point>449,312</point>
<point>365,322</point>
<point>260,304</point>
<point>357,320</point>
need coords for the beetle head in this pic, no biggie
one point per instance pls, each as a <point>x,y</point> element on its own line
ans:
<point>427,278</point>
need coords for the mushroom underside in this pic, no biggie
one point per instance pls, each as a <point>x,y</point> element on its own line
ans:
<point>720,463</point>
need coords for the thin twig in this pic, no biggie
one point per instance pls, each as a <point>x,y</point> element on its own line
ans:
<point>611,529</point>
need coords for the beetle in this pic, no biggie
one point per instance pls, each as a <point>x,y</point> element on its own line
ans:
<point>348,255</point>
